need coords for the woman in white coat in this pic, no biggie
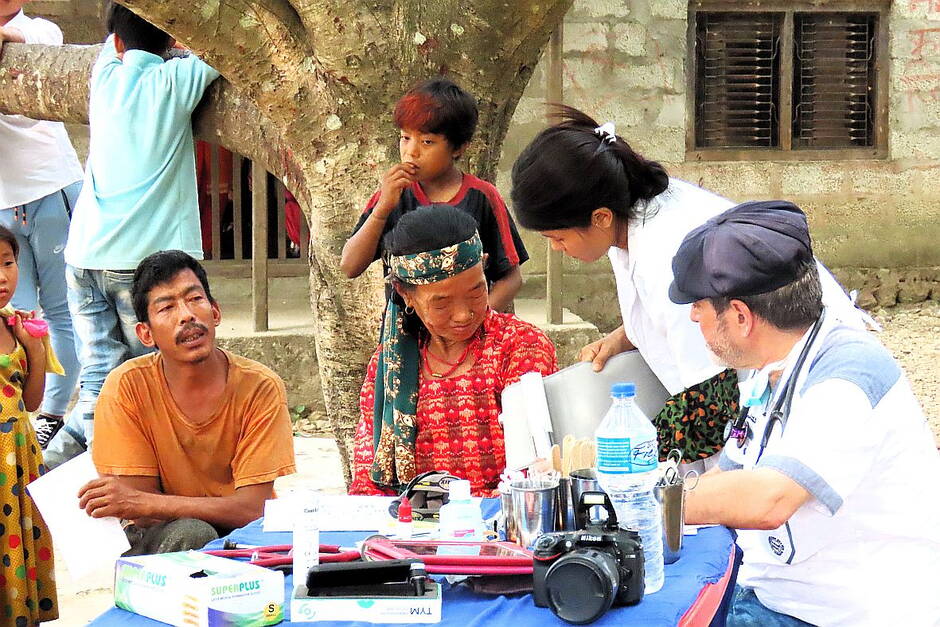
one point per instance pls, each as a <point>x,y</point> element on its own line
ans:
<point>587,191</point>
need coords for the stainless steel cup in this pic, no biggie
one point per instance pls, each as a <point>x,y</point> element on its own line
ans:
<point>565,507</point>
<point>534,510</point>
<point>584,480</point>
<point>672,499</point>
<point>509,526</point>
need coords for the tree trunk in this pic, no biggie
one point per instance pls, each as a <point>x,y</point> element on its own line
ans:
<point>308,92</point>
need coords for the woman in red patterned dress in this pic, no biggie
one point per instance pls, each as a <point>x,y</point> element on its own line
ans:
<point>431,396</point>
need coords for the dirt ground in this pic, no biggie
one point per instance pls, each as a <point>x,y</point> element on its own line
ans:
<point>912,333</point>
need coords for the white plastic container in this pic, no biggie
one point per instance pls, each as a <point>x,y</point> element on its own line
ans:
<point>306,553</point>
<point>627,459</point>
<point>461,518</point>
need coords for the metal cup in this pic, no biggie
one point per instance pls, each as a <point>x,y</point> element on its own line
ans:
<point>584,480</point>
<point>672,499</point>
<point>534,510</point>
<point>509,526</point>
<point>565,507</point>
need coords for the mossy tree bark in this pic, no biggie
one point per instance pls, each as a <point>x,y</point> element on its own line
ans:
<point>308,92</point>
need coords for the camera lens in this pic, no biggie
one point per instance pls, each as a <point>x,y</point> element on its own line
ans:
<point>582,585</point>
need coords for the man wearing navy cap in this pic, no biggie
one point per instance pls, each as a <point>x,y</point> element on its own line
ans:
<point>830,474</point>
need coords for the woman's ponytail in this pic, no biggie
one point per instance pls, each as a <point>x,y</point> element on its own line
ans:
<point>565,117</point>
<point>648,179</point>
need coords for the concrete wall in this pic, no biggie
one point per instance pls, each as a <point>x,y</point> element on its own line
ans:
<point>874,221</point>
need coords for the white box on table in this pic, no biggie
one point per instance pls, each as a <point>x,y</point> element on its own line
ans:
<point>426,609</point>
<point>192,588</point>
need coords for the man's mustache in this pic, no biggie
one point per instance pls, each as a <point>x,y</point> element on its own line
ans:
<point>189,328</point>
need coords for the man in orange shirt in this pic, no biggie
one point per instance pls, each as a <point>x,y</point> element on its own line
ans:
<point>189,439</point>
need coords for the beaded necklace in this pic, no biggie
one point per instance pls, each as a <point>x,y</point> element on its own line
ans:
<point>425,352</point>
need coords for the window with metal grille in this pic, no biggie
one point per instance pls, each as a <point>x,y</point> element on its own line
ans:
<point>787,80</point>
<point>833,80</point>
<point>737,93</point>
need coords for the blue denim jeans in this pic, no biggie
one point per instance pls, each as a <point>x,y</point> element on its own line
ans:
<point>748,611</point>
<point>41,229</point>
<point>104,320</point>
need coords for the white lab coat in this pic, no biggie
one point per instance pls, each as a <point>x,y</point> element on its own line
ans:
<point>662,331</point>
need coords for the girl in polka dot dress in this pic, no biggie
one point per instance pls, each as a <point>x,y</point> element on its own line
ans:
<point>27,585</point>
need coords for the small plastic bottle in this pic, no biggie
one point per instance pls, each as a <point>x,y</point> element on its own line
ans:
<point>306,551</point>
<point>403,530</point>
<point>461,518</point>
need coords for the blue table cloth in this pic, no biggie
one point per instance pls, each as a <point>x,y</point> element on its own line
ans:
<point>704,560</point>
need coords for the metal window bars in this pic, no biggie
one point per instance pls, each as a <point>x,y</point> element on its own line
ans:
<point>834,80</point>
<point>782,80</point>
<point>737,79</point>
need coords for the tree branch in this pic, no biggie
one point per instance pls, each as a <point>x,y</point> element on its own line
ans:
<point>51,83</point>
<point>260,46</point>
<point>307,11</point>
<point>46,82</point>
<point>343,31</point>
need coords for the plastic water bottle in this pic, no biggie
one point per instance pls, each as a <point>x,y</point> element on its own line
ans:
<point>461,518</point>
<point>627,457</point>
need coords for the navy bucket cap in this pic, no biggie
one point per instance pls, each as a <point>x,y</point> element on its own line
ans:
<point>752,248</point>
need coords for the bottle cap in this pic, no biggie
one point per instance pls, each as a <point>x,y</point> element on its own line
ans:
<point>459,490</point>
<point>623,390</point>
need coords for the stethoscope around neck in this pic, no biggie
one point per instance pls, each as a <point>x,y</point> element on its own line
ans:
<point>781,410</point>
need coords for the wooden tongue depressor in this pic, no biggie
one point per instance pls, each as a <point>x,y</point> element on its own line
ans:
<point>590,449</point>
<point>582,454</point>
<point>576,454</point>
<point>556,458</point>
<point>566,445</point>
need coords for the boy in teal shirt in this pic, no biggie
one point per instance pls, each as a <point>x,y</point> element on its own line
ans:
<point>139,197</point>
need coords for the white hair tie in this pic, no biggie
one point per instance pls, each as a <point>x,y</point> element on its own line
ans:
<point>606,132</point>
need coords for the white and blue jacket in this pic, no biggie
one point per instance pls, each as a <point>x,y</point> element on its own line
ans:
<point>866,549</point>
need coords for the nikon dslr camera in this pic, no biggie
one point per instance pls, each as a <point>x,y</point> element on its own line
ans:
<point>580,574</point>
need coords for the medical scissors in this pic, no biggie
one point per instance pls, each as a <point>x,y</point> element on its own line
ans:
<point>674,457</point>
<point>672,477</point>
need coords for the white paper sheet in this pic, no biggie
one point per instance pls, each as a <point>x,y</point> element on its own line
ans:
<point>339,512</point>
<point>520,449</point>
<point>691,530</point>
<point>279,514</point>
<point>526,421</point>
<point>540,422</point>
<point>84,543</point>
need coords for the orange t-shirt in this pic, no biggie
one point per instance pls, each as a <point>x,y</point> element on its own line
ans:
<point>139,430</point>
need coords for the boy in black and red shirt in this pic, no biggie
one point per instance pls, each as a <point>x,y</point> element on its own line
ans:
<point>437,119</point>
